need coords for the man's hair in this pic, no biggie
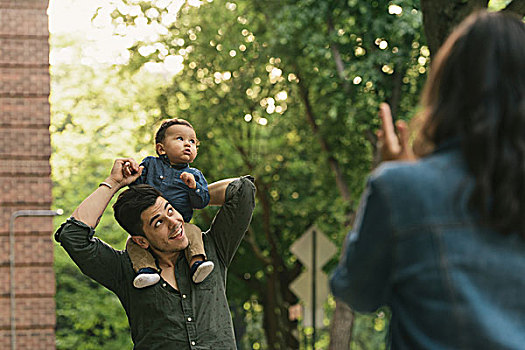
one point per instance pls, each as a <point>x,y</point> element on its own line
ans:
<point>129,207</point>
<point>476,93</point>
<point>161,132</point>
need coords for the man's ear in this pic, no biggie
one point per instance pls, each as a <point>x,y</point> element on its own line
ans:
<point>159,147</point>
<point>141,241</point>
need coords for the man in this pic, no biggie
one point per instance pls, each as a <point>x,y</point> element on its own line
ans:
<point>175,313</point>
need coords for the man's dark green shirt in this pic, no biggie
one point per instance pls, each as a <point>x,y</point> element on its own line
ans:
<point>160,317</point>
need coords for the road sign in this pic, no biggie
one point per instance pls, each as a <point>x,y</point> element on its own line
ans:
<point>302,248</point>
<point>311,287</point>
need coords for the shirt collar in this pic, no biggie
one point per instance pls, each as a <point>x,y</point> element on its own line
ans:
<point>165,159</point>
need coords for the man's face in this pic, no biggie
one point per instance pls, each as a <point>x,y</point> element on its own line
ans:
<point>179,144</point>
<point>163,227</point>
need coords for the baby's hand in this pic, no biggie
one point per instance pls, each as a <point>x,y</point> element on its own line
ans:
<point>189,180</point>
<point>127,170</point>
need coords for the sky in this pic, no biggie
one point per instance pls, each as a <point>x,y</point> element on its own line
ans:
<point>72,15</point>
<point>74,18</point>
<point>99,44</point>
<point>96,38</point>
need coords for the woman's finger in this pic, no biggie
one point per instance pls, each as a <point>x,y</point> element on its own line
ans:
<point>387,125</point>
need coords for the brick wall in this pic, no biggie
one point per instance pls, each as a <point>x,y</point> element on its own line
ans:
<point>25,174</point>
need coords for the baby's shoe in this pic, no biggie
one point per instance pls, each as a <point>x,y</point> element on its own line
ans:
<point>146,277</point>
<point>200,270</point>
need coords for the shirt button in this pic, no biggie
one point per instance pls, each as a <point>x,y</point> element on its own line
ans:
<point>189,319</point>
<point>183,296</point>
<point>198,190</point>
<point>161,177</point>
<point>192,343</point>
<point>164,284</point>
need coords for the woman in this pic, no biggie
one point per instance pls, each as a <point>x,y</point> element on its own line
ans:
<point>441,240</point>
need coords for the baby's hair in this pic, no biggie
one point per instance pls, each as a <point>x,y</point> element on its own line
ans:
<point>161,133</point>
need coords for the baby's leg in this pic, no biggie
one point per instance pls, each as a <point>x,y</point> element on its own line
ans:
<point>195,250</point>
<point>195,254</point>
<point>140,258</point>
<point>143,264</point>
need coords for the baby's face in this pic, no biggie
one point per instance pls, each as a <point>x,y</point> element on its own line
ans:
<point>179,144</point>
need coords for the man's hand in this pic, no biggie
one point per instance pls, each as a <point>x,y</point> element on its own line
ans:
<point>189,180</point>
<point>124,172</point>
<point>391,145</point>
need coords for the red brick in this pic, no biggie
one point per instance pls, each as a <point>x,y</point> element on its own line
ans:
<point>23,22</point>
<point>5,339</point>
<point>25,225</point>
<point>30,190</point>
<point>24,51</point>
<point>25,112</point>
<point>29,249</point>
<point>15,167</point>
<point>30,312</point>
<point>24,177</point>
<point>32,143</point>
<point>34,339</point>
<point>20,81</point>
<point>24,4</point>
<point>36,281</point>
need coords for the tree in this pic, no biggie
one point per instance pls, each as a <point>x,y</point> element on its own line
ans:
<point>441,16</point>
<point>287,91</point>
<point>94,117</point>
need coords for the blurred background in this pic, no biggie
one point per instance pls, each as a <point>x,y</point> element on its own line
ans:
<point>285,90</point>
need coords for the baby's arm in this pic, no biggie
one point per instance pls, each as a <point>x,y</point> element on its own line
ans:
<point>199,194</point>
<point>142,178</point>
<point>189,180</point>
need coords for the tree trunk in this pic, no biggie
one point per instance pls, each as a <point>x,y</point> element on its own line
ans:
<point>344,323</point>
<point>277,297</point>
<point>277,327</point>
<point>516,6</point>
<point>332,162</point>
<point>341,329</point>
<point>441,16</point>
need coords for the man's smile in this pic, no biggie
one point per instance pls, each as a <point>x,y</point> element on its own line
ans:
<point>178,233</point>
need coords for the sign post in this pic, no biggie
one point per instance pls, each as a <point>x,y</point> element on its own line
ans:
<point>314,250</point>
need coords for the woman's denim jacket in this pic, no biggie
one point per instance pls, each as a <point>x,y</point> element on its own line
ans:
<point>416,247</point>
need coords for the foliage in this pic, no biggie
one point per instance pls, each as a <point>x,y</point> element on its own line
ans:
<point>95,112</point>
<point>286,91</point>
<point>88,316</point>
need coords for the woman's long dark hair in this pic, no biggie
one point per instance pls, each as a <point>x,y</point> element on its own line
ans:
<point>476,93</point>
